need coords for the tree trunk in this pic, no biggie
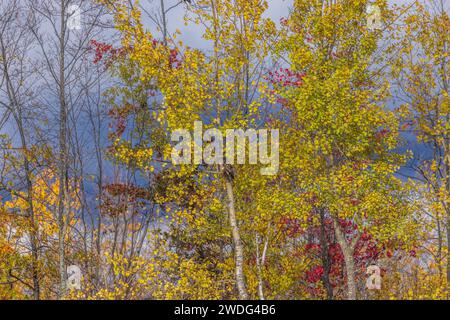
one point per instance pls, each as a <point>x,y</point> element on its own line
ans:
<point>326,259</point>
<point>18,117</point>
<point>238,247</point>
<point>260,261</point>
<point>63,170</point>
<point>34,231</point>
<point>347,250</point>
<point>164,22</point>
<point>448,256</point>
<point>446,207</point>
<point>34,228</point>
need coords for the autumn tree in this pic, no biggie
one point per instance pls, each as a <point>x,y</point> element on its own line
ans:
<point>338,123</point>
<point>16,43</point>
<point>62,44</point>
<point>217,87</point>
<point>421,73</point>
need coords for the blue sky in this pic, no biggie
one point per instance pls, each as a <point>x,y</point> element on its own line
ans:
<point>192,34</point>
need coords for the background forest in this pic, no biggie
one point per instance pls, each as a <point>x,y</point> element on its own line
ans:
<point>361,100</point>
